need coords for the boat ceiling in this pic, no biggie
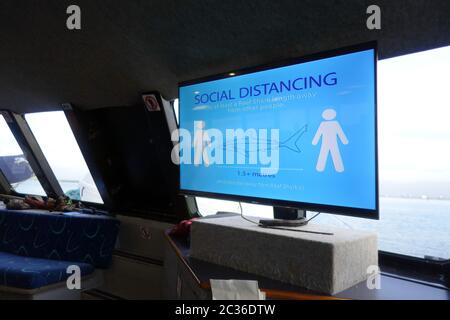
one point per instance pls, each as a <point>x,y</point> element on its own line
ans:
<point>129,47</point>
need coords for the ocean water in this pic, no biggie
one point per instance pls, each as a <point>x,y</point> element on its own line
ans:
<point>414,227</point>
<point>32,186</point>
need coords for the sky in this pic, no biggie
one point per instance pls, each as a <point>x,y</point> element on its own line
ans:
<point>414,117</point>
<point>8,144</point>
<point>54,135</point>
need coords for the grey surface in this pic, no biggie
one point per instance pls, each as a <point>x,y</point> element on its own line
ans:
<point>137,270</point>
<point>127,47</point>
<point>142,237</point>
<point>322,263</point>
<point>133,279</point>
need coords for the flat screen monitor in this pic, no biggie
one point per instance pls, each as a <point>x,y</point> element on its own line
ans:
<point>298,134</point>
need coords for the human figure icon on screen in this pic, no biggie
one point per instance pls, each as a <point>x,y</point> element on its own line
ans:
<point>329,130</point>
<point>201,142</point>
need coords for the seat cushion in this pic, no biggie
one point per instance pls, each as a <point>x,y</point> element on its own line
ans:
<point>31,273</point>
<point>70,236</point>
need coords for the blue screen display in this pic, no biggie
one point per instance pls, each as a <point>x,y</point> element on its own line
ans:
<point>299,133</point>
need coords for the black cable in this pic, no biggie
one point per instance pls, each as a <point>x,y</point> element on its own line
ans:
<point>243,217</point>
<point>301,230</point>
<point>313,216</point>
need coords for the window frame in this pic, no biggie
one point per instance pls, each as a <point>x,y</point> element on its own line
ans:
<point>433,272</point>
<point>31,152</point>
<point>65,110</point>
<point>38,162</point>
<point>5,186</point>
<point>430,272</point>
<point>73,116</point>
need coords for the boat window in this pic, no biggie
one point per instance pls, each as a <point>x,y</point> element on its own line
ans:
<point>414,157</point>
<point>55,137</point>
<point>14,164</point>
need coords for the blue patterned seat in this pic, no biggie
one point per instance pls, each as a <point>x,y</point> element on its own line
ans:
<point>31,273</point>
<point>37,247</point>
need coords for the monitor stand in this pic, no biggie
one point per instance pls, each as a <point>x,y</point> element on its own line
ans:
<point>285,217</point>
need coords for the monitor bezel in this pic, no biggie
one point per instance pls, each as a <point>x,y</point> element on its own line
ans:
<point>324,208</point>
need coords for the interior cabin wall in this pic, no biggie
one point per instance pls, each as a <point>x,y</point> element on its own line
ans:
<point>128,150</point>
<point>137,269</point>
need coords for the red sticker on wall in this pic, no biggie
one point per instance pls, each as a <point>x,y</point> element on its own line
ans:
<point>151,102</point>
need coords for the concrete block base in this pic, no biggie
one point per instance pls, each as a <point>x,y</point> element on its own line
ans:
<point>322,263</point>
